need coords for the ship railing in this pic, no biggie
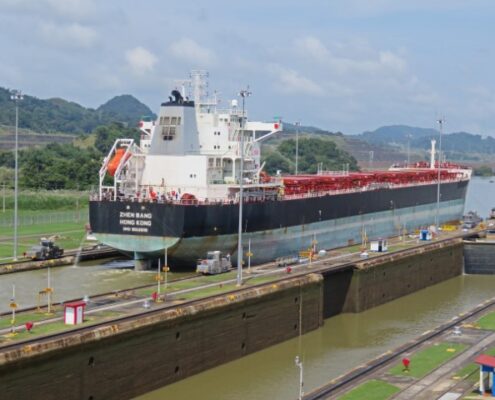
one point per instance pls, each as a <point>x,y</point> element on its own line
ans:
<point>258,197</point>
<point>170,200</point>
<point>384,185</point>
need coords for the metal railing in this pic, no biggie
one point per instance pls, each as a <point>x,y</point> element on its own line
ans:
<point>268,196</point>
<point>81,216</point>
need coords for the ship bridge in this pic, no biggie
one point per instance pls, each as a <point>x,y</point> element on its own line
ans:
<point>194,148</point>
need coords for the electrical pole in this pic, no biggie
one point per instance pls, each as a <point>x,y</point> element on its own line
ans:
<point>437,217</point>
<point>408,148</point>
<point>16,96</point>
<point>297,146</point>
<point>243,93</point>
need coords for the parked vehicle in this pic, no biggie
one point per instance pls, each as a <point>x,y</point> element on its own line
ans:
<point>286,261</point>
<point>214,263</point>
<point>46,250</point>
<point>471,220</point>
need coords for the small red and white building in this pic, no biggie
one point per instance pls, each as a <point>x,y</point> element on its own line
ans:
<point>74,312</point>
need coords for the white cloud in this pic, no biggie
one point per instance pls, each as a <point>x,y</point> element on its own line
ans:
<point>364,62</point>
<point>291,81</point>
<point>366,8</point>
<point>188,50</point>
<point>140,60</point>
<point>313,48</point>
<point>391,61</point>
<point>74,10</point>
<point>71,35</point>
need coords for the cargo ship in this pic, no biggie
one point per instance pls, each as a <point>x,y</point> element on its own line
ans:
<point>178,190</point>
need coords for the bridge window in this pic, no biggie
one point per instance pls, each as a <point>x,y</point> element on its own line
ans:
<point>169,125</point>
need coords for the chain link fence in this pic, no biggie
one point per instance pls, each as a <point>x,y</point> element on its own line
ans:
<point>49,217</point>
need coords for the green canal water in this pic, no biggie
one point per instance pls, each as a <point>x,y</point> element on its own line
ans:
<point>344,342</point>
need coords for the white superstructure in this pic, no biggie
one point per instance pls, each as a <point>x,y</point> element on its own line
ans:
<point>192,150</point>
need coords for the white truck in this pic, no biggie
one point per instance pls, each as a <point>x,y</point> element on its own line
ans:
<point>214,263</point>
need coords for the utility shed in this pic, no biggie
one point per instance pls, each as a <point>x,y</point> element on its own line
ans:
<point>74,313</point>
<point>487,365</point>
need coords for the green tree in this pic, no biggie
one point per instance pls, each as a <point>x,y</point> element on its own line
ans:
<point>483,170</point>
<point>106,136</point>
<point>312,152</point>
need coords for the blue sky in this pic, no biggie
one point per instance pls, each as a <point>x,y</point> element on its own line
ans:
<point>349,65</point>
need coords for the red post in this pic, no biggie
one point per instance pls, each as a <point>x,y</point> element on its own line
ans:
<point>29,325</point>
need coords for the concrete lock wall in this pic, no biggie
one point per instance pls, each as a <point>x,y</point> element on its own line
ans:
<point>158,351</point>
<point>479,258</point>
<point>372,283</point>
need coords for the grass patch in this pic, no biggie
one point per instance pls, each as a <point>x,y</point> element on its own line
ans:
<point>39,330</point>
<point>351,249</point>
<point>206,292</point>
<point>60,326</point>
<point>70,235</point>
<point>46,199</point>
<point>41,229</point>
<point>205,280</point>
<point>428,359</point>
<point>487,322</point>
<point>371,390</point>
<point>22,318</point>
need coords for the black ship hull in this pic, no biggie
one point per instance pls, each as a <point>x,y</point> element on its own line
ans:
<point>146,228</point>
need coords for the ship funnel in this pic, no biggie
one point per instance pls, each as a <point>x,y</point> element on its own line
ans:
<point>432,155</point>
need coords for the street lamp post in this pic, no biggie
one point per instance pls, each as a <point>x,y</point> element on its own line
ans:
<point>409,136</point>
<point>16,97</point>
<point>437,217</point>
<point>243,93</point>
<point>297,146</point>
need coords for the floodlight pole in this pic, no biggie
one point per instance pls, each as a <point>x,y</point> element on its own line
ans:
<point>16,96</point>
<point>297,146</point>
<point>243,93</point>
<point>437,216</point>
<point>408,149</point>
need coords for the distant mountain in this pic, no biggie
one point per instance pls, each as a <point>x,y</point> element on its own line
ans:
<point>59,115</point>
<point>292,128</point>
<point>396,134</point>
<point>126,108</point>
<point>460,142</point>
<point>420,138</point>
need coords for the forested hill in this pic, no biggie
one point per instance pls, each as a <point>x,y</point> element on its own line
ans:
<point>396,134</point>
<point>58,115</point>
<point>125,108</point>
<point>420,138</point>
